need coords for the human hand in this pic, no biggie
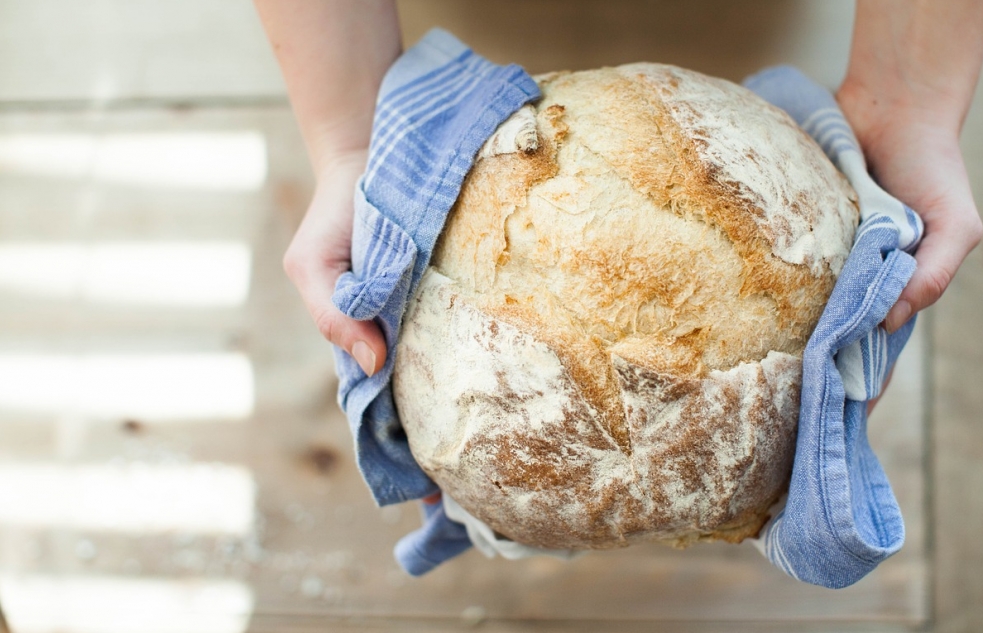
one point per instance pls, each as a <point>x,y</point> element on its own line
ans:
<point>321,251</point>
<point>916,157</point>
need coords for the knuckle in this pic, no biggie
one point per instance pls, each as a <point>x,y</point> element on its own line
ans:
<point>974,231</point>
<point>292,265</point>
<point>967,228</point>
<point>934,284</point>
<point>327,324</point>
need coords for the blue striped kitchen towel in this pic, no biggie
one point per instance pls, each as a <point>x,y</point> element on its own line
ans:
<point>841,519</point>
<point>437,106</point>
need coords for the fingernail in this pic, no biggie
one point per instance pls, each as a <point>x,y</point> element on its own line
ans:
<point>897,316</point>
<point>364,356</point>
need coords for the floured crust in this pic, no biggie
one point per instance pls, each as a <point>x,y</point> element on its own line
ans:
<point>607,347</point>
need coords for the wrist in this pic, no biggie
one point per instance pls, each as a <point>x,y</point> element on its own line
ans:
<point>338,141</point>
<point>338,163</point>
<point>875,113</point>
<point>870,106</point>
<point>917,61</point>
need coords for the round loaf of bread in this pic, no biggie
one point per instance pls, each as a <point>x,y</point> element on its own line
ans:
<point>607,345</point>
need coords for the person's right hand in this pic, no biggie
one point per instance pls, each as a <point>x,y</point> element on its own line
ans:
<point>334,55</point>
<point>915,155</point>
<point>321,251</point>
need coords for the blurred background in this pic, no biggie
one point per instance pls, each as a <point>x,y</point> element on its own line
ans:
<point>171,455</point>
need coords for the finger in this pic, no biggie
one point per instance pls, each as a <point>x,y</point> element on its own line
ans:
<point>362,340</point>
<point>938,258</point>
<point>315,279</point>
<point>431,499</point>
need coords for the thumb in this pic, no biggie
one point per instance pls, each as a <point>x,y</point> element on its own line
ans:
<point>362,340</point>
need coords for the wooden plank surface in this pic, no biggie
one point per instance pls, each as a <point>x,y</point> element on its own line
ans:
<point>317,556</point>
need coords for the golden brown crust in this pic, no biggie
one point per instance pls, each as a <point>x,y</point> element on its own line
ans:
<point>606,349</point>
